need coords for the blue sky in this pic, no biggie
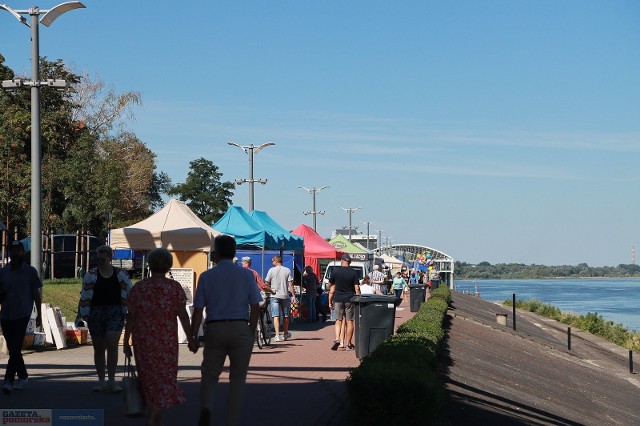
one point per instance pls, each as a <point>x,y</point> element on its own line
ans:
<point>500,131</point>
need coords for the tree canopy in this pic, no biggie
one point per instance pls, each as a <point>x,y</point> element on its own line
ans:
<point>203,192</point>
<point>96,174</point>
<point>485,270</point>
<point>94,171</point>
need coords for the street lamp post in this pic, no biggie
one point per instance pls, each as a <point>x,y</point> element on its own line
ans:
<point>250,149</point>
<point>35,83</point>
<point>368,224</point>
<point>313,191</point>
<point>350,210</point>
<point>379,242</point>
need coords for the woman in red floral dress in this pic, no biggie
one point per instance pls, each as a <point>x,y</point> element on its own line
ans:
<point>153,305</point>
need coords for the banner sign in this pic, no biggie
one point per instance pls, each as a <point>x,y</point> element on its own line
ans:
<point>52,417</point>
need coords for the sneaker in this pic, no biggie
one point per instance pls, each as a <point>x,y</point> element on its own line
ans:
<point>113,387</point>
<point>6,388</point>
<point>335,345</point>
<point>101,387</point>
<point>20,384</point>
<point>349,347</point>
<point>278,339</point>
<point>287,335</point>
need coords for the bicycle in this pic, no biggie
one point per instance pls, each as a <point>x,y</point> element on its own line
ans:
<point>265,324</point>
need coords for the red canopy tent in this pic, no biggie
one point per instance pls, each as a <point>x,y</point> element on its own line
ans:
<point>315,247</point>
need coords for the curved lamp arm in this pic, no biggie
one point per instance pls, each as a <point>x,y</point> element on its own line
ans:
<point>53,14</point>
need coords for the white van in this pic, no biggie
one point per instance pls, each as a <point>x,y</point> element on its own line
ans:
<point>363,269</point>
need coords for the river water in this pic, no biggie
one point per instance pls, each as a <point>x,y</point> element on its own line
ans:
<point>616,300</point>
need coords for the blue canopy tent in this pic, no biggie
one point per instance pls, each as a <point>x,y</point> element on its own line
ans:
<point>258,242</point>
<point>292,242</point>
<point>248,234</point>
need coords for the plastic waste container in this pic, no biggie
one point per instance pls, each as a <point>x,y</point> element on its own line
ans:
<point>417,296</point>
<point>435,284</point>
<point>375,317</point>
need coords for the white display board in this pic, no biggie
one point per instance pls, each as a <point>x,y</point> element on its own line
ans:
<point>185,276</point>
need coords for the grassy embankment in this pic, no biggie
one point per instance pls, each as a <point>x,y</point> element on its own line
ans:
<point>592,323</point>
<point>63,293</point>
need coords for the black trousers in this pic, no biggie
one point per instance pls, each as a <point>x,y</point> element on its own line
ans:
<point>319,309</point>
<point>14,332</point>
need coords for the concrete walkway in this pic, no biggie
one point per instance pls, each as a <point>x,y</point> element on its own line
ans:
<point>300,380</point>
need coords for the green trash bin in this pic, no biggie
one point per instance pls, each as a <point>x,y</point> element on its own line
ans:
<point>375,317</point>
<point>417,296</point>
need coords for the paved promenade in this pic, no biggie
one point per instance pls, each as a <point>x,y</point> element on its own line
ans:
<point>300,380</point>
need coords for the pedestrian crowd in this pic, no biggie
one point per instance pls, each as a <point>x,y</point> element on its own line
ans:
<point>226,309</point>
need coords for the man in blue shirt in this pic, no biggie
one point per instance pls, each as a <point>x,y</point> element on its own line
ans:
<point>227,292</point>
<point>19,289</point>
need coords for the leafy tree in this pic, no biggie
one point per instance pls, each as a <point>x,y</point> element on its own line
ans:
<point>203,191</point>
<point>129,178</point>
<point>14,157</point>
<point>161,184</point>
<point>100,109</point>
<point>81,184</point>
<point>92,170</point>
<point>485,270</point>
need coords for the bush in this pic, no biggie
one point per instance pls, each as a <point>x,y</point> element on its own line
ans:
<point>430,330</point>
<point>412,349</point>
<point>434,306</point>
<point>443,293</point>
<point>404,367</point>
<point>548,311</point>
<point>415,394</point>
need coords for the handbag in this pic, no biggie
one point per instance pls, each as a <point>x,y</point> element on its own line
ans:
<point>133,401</point>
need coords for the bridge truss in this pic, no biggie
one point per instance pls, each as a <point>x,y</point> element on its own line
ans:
<point>410,252</point>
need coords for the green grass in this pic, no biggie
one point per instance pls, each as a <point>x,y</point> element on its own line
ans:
<point>63,293</point>
<point>592,323</point>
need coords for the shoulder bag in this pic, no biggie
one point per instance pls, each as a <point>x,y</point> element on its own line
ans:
<point>133,401</point>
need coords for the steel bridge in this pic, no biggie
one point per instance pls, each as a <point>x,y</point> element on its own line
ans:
<point>410,252</point>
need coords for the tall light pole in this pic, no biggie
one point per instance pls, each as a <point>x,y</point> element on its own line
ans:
<point>350,210</point>
<point>313,191</point>
<point>35,83</point>
<point>367,223</point>
<point>380,238</point>
<point>250,149</point>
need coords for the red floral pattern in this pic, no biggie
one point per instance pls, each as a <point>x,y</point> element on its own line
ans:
<point>155,302</point>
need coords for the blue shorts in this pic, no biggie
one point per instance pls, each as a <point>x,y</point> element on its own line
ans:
<point>280,306</point>
<point>105,318</point>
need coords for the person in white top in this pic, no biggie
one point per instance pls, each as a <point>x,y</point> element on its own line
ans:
<point>365,287</point>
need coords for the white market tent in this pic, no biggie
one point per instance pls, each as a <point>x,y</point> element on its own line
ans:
<point>394,264</point>
<point>179,230</point>
<point>174,227</point>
